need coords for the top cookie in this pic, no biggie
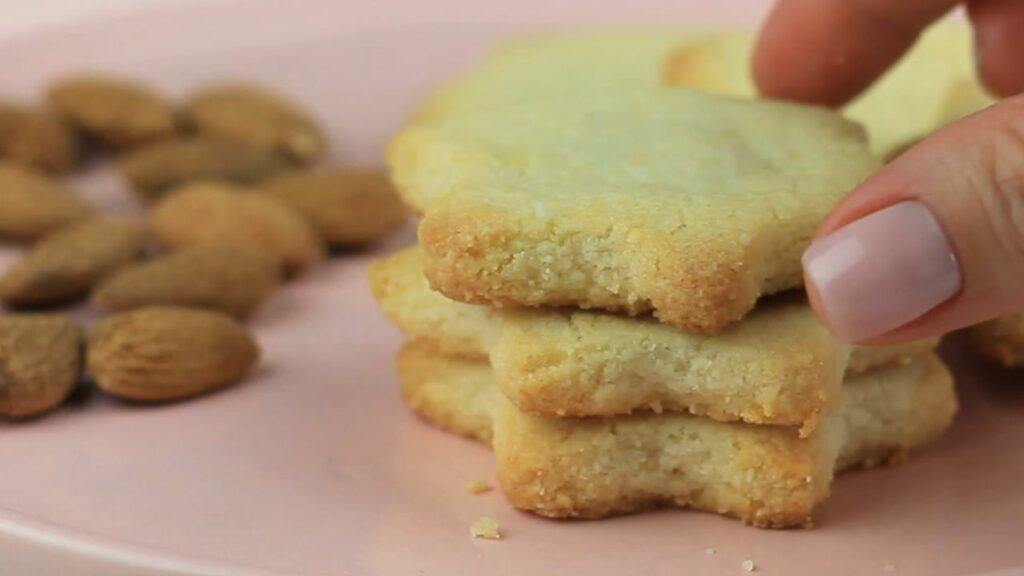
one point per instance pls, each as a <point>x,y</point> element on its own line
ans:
<point>557,63</point>
<point>644,199</point>
<point>932,85</point>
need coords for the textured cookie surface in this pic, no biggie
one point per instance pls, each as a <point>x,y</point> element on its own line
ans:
<point>866,358</point>
<point>778,365</point>
<point>1001,339</point>
<point>458,396</point>
<point>452,328</point>
<point>765,475</point>
<point>932,85</point>
<point>557,62</point>
<point>560,62</point>
<point>650,199</point>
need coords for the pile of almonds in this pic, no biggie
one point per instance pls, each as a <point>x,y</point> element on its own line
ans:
<point>236,208</point>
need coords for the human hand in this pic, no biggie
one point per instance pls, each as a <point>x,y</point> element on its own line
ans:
<point>934,241</point>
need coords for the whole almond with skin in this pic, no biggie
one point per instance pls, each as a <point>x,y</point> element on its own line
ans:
<point>33,205</point>
<point>256,116</point>
<point>162,353</point>
<point>116,112</point>
<point>232,279</point>
<point>40,362</point>
<point>38,139</point>
<point>349,207</point>
<point>154,169</point>
<point>65,266</point>
<point>213,213</point>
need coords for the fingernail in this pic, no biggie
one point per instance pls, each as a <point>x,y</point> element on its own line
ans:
<point>882,271</point>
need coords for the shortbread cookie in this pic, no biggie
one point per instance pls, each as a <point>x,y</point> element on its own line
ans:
<point>658,199</point>
<point>593,467</point>
<point>452,328</point>
<point>1001,339</point>
<point>584,61</point>
<point>890,412</point>
<point>457,395</point>
<point>778,365</point>
<point>866,358</point>
<point>932,85</point>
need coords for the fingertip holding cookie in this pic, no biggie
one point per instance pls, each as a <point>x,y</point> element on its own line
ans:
<point>882,271</point>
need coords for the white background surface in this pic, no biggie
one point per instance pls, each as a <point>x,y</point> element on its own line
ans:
<point>18,15</point>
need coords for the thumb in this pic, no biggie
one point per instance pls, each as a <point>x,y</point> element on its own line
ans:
<point>932,242</point>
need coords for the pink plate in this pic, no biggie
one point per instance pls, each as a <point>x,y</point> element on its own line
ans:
<point>314,467</point>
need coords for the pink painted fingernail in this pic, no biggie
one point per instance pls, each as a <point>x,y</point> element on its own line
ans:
<point>882,271</point>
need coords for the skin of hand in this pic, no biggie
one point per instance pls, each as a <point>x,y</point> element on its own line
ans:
<point>934,241</point>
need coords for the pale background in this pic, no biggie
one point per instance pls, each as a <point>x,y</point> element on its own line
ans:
<point>22,14</point>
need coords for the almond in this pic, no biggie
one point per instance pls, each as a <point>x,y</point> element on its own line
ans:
<point>67,264</point>
<point>40,362</point>
<point>154,169</point>
<point>205,213</point>
<point>36,139</point>
<point>232,279</point>
<point>254,115</point>
<point>116,112</point>
<point>169,353</point>
<point>34,205</point>
<point>349,207</point>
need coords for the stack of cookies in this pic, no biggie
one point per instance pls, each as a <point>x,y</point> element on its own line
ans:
<point>604,292</point>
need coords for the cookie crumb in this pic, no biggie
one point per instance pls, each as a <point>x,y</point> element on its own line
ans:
<point>478,487</point>
<point>485,527</point>
<point>710,551</point>
<point>888,568</point>
<point>748,565</point>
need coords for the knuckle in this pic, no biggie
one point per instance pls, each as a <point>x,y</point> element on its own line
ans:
<point>998,181</point>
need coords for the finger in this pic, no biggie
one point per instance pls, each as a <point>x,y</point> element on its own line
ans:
<point>828,51</point>
<point>932,242</point>
<point>999,37</point>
